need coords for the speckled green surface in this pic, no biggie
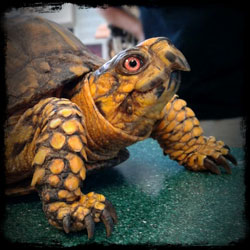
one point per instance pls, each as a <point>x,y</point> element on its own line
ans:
<point>158,202</point>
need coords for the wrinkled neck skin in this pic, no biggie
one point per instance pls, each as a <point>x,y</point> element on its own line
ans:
<point>104,139</point>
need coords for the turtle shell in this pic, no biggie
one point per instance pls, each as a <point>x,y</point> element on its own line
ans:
<point>42,57</point>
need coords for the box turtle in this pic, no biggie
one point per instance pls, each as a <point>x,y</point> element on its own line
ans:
<point>69,112</point>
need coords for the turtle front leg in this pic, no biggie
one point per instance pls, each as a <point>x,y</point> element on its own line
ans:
<point>181,137</point>
<point>59,164</point>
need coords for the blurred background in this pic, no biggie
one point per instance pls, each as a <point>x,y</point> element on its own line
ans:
<point>210,36</point>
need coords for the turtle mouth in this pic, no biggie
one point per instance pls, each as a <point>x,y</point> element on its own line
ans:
<point>159,84</point>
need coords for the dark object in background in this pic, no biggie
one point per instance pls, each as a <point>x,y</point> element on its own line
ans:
<point>211,37</point>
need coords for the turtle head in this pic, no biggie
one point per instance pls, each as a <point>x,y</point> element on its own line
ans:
<point>132,88</point>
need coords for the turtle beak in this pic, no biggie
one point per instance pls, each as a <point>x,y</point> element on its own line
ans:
<point>168,53</point>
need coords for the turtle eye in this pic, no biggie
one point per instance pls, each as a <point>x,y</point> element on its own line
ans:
<point>132,64</point>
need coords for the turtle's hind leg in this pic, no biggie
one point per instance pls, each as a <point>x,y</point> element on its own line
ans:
<point>59,164</point>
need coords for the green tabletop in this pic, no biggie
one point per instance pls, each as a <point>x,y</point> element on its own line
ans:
<point>157,201</point>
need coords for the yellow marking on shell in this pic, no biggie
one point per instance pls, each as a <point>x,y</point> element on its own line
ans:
<point>179,104</point>
<point>191,142</point>
<point>99,206</point>
<point>75,143</point>
<point>55,123</point>
<point>62,212</point>
<point>82,173</point>
<point>75,163</point>
<point>56,166</point>
<point>78,70</point>
<point>41,155</point>
<point>169,105</point>
<point>57,141</point>
<point>211,139</point>
<point>37,176</point>
<point>181,115</point>
<point>53,180</point>
<point>90,194</point>
<point>71,183</point>
<point>66,112</point>
<point>189,112</point>
<point>216,154</point>
<point>70,126</point>
<point>84,154</point>
<point>44,128</point>
<point>188,125</point>
<point>197,131</point>
<point>55,206</point>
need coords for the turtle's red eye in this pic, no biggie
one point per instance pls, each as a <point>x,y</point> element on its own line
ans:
<point>132,64</point>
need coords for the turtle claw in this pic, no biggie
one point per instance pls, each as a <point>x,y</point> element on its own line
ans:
<point>107,221</point>
<point>90,226</point>
<point>66,224</point>
<point>223,162</point>
<point>231,158</point>
<point>210,165</point>
<point>112,211</point>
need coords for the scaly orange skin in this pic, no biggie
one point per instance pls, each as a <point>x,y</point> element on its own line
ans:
<point>58,140</point>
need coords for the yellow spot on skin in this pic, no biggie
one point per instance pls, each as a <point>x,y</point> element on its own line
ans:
<point>191,149</point>
<point>92,89</point>
<point>75,163</point>
<point>71,183</point>
<point>83,173</point>
<point>55,123</point>
<point>99,206</point>
<point>62,194</point>
<point>64,101</point>
<point>75,143</point>
<point>189,112</point>
<point>54,180</point>
<point>179,104</point>
<point>176,153</point>
<point>56,166</point>
<point>171,115</point>
<point>100,197</point>
<point>171,126</point>
<point>55,206</point>
<point>186,137</point>
<point>62,212</point>
<point>191,142</point>
<point>197,131</point>
<point>78,70</point>
<point>41,155</point>
<point>201,159</point>
<point>196,121</point>
<point>188,125</point>
<point>180,116</point>
<point>57,141</point>
<point>37,176</point>
<point>78,192</point>
<point>65,112</point>
<point>70,127</point>
<point>127,88</point>
<point>34,119</point>
<point>43,138</point>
